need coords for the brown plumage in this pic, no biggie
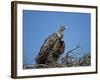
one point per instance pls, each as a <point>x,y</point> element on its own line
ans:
<point>52,48</point>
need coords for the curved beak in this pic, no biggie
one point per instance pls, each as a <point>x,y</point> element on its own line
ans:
<point>66,28</point>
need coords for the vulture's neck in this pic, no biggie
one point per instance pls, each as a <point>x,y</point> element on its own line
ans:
<point>60,34</point>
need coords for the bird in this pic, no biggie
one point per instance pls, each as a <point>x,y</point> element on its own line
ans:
<point>52,47</point>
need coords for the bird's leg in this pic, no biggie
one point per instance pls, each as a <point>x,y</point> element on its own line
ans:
<point>49,58</point>
<point>51,62</point>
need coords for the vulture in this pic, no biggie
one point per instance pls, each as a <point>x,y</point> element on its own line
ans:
<point>52,47</point>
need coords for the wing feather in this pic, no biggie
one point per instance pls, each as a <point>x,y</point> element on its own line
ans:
<point>46,48</point>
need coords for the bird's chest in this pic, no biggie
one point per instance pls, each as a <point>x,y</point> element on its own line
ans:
<point>56,47</point>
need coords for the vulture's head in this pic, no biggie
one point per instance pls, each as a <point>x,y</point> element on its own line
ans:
<point>60,31</point>
<point>62,28</point>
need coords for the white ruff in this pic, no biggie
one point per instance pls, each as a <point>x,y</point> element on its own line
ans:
<point>58,34</point>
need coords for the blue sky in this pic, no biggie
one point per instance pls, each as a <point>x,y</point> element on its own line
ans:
<point>38,25</point>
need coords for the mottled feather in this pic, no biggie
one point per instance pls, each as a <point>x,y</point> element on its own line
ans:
<point>51,45</point>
